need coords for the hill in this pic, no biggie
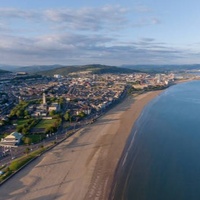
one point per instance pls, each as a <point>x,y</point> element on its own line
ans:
<point>94,68</point>
<point>2,72</point>
<point>10,68</point>
<point>163,68</point>
<point>36,68</point>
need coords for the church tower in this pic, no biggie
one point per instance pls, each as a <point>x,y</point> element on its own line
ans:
<point>44,99</point>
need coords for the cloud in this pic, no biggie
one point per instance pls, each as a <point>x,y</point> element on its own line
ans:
<point>88,18</point>
<point>146,21</point>
<point>4,28</point>
<point>108,17</point>
<point>14,13</point>
<point>80,36</point>
<point>142,8</point>
<point>50,48</point>
<point>155,20</point>
<point>81,49</point>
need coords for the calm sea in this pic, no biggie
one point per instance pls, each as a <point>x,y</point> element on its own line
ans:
<point>162,157</point>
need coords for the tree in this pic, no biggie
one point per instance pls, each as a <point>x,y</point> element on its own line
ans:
<point>27,140</point>
<point>26,113</point>
<point>19,129</point>
<point>67,116</point>
<point>27,150</point>
<point>81,114</point>
<point>12,113</point>
<point>20,113</point>
<point>52,112</point>
<point>24,130</point>
<point>49,129</point>
<point>61,101</point>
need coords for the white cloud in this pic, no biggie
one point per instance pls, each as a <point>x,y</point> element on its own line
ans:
<point>79,36</point>
<point>142,8</point>
<point>14,13</point>
<point>108,17</point>
<point>90,19</point>
<point>146,21</point>
<point>81,49</point>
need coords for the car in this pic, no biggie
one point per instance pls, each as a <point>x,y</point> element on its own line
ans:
<point>1,173</point>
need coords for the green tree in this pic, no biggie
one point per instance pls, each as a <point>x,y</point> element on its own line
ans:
<point>12,113</point>
<point>19,129</point>
<point>25,130</point>
<point>27,140</point>
<point>26,113</point>
<point>61,101</point>
<point>67,116</point>
<point>20,113</point>
<point>27,150</point>
<point>81,114</point>
<point>52,112</point>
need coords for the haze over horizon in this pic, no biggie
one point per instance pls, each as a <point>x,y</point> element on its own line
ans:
<point>106,32</point>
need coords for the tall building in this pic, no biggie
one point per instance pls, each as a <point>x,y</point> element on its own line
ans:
<point>44,99</point>
<point>158,77</point>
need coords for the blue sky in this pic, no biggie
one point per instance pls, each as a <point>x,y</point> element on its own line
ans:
<point>112,32</point>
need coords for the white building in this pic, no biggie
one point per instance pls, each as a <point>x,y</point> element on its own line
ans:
<point>57,76</point>
<point>54,106</point>
<point>12,140</point>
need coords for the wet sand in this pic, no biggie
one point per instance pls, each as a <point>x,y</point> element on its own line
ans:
<point>83,166</point>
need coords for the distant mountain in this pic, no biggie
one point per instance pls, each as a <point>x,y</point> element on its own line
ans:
<point>94,68</point>
<point>36,68</point>
<point>163,68</point>
<point>8,67</point>
<point>2,72</point>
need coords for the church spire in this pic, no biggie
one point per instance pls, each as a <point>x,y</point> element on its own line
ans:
<point>44,99</point>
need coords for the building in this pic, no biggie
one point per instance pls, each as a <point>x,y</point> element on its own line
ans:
<point>44,99</point>
<point>158,78</point>
<point>57,76</point>
<point>55,107</point>
<point>13,139</point>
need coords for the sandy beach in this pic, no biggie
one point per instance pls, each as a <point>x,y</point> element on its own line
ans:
<point>83,166</point>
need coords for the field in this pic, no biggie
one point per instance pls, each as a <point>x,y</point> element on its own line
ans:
<point>44,123</point>
<point>22,121</point>
<point>35,138</point>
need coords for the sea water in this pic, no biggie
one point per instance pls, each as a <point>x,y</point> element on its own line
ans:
<point>162,158</point>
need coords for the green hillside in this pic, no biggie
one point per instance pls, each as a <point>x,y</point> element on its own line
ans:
<point>94,68</point>
<point>2,72</point>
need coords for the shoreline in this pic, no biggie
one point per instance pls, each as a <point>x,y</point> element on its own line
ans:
<point>134,107</point>
<point>86,161</point>
<point>141,102</point>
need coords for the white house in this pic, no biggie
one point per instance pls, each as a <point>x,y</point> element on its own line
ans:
<point>54,106</point>
<point>13,139</point>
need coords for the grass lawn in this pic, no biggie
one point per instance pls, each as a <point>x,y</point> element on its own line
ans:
<point>36,137</point>
<point>22,121</point>
<point>44,123</point>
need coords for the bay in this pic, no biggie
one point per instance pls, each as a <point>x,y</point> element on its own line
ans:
<point>161,160</point>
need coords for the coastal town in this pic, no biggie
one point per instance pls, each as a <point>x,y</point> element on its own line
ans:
<point>34,108</point>
<point>39,113</point>
<point>99,100</point>
<point>82,92</point>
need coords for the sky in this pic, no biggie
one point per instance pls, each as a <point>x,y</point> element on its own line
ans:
<point>111,32</point>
